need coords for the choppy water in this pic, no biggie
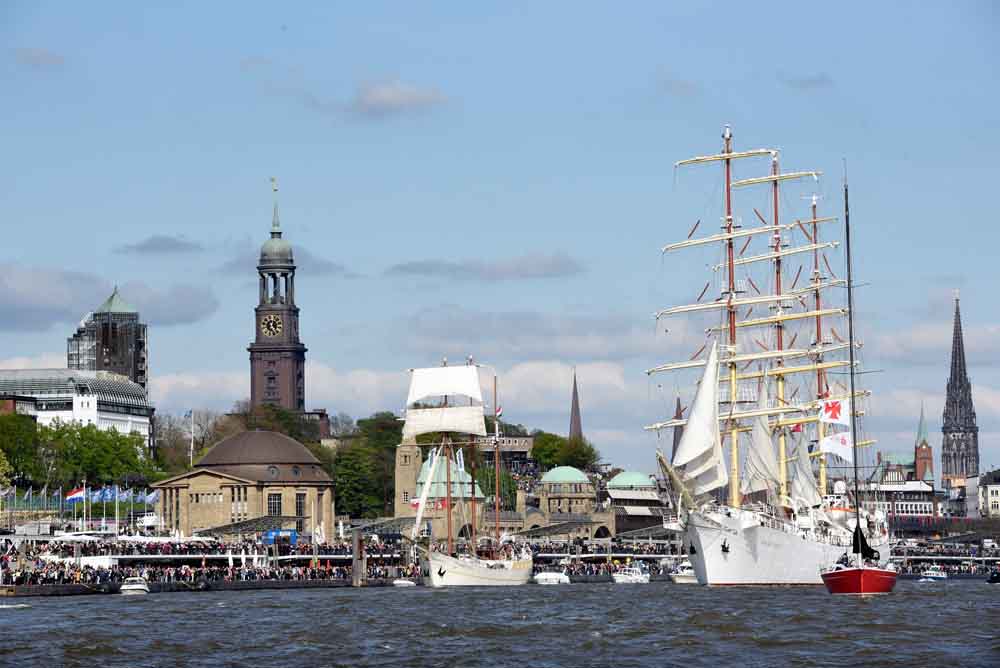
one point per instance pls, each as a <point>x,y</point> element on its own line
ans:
<point>942,624</point>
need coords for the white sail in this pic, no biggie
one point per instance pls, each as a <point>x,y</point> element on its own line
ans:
<point>803,482</point>
<point>441,381</point>
<point>761,465</point>
<point>699,452</point>
<point>445,381</point>
<point>423,495</point>
<point>460,419</point>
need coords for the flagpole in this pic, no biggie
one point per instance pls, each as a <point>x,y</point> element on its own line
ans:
<point>191,449</point>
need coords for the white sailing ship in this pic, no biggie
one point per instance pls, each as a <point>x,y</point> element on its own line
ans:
<point>776,525</point>
<point>429,411</point>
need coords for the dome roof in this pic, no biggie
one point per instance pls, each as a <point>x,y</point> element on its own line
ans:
<point>565,474</point>
<point>257,447</point>
<point>630,479</point>
<point>276,250</point>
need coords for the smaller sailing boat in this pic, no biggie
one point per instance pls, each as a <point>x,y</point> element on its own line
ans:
<point>864,574</point>
<point>509,565</point>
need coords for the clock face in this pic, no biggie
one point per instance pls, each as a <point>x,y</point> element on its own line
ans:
<point>271,325</point>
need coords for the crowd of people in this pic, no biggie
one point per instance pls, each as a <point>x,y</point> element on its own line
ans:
<point>616,547</point>
<point>197,547</point>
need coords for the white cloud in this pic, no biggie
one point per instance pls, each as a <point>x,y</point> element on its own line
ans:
<point>931,344</point>
<point>40,361</point>
<point>531,266</point>
<point>393,98</point>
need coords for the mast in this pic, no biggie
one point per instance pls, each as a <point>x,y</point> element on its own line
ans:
<point>779,331</point>
<point>446,442</point>
<point>472,483</point>
<point>734,433</point>
<point>496,461</point>
<point>820,373</point>
<point>850,338</point>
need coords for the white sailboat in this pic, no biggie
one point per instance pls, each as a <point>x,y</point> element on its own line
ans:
<point>774,527</point>
<point>512,565</point>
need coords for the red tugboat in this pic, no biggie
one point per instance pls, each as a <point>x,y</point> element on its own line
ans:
<point>866,575</point>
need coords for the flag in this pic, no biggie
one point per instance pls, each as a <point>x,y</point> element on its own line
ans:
<point>108,493</point>
<point>797,429</point>
<point>187,415</point>
<point>499,411</point>
<point>838,444</point>
<point>76,495</point>
<point>5,492</point>
<point>95,496</point>
<point>153,497</point>
<point>834,411</point>
<point>125,495</point>
<point>140,497</point>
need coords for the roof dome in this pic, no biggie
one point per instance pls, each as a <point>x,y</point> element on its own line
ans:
<point>276,250</point>
<point>257,447</point>
<point>565,474</point>
<point>630,479</point>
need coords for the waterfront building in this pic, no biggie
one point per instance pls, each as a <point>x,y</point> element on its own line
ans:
<point>248,483</point>
<point>101,398</point>
<point>636,501</point>
<point>960,443</point>
<point>111,338</point>
<point>515,452</point>
<point>989,494</point>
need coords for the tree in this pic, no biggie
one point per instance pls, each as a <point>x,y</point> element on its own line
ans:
<point>5,470</point>
<point>578,453</point>
<point>356,485</point>
<point>485,478</point>
<point>381,433</point>
<point>546,448</point>
<point>342,425</point>
<point>19,444</point>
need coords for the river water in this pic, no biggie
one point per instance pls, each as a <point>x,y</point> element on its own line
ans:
<point>942,624</point>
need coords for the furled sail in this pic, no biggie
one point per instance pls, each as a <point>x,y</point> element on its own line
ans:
<point>761,465</point>
<point>699,452</point>
<point>445,381</point>
<point>803,484</point>
<point>423,496</point>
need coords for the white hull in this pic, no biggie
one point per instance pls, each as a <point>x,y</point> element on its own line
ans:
<point>550,578</point>
<point>630,578</point>
<point>684,578</point>
<point>732,547</point>
<point>470,572</point>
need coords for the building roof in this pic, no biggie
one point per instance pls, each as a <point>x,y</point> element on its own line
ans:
<point>53,383</point>
<point>991,478</point>
<point>575,425</point>
<point>630,479</point>
<point>461,482</point>
<point>922,427</point>
<point>565,474</point>
<point>115,304</point>
<point>276,251</point>
<point>257,447</point>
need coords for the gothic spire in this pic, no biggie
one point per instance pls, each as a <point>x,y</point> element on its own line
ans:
<point>960,447</point>
<point>922,427</point>
<point>575,425</point>
<point>958,373</point>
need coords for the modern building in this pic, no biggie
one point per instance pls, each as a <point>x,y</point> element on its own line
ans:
<point>515,452</point>
<point>960,444</point>
<point>111,338</point>
<point>277,355</point>
<point>101,398</point>
<point>249,483</point>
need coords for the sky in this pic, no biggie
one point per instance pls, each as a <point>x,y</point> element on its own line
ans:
<point>493,179</point>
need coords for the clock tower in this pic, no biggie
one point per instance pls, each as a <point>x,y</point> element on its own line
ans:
<point>277,357</point>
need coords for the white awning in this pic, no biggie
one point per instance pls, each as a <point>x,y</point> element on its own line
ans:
<point>443,381</point>
<point>634,494</point>
<point>637,511</point>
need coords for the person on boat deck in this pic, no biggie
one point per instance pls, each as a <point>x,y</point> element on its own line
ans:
<point>844,560</point>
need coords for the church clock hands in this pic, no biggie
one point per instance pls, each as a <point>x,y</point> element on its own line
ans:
<point>271,325</point>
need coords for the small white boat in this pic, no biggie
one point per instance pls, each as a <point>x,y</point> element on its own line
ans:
<point>684,574</point>
<point>933,574</point>
<point>402,582</point>
<point>631,575</point>
<point>551,578</point>
<point>134,586</point>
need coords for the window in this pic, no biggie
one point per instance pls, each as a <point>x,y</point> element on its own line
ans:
<point>296,471</point>
<point>274,504</point>
<point>406,497</point>
<point>300,511</point>
<point>406,460</point>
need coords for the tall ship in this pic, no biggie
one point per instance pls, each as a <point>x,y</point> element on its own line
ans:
<point>447,403</point>
<point>770,406</point>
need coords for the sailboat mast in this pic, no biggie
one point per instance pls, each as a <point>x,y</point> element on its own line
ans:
<point>820,373</point>
<point>472,484</point>
<point>447,443</point>
<point>779,333</point>
<point>496,461</point>
<point>850,338</point>
<point>734,433</point>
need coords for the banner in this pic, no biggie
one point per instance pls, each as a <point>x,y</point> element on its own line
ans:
<point>838,444</point>
<point>834,411</point>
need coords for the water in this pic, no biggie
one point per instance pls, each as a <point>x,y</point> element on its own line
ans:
<point>660,624</point>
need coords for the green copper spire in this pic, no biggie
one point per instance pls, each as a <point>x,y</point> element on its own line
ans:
<point>922,427</point>
<point>115,304</point>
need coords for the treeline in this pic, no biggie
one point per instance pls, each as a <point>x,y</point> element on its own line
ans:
<point>62,455</point>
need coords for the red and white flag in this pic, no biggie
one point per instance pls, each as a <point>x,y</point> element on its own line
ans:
<point>834,411</point>
<point>499,412</point>
<point>838,444</point>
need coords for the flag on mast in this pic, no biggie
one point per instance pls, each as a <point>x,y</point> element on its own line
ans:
<point>834,411</point>
<point>838,444</point>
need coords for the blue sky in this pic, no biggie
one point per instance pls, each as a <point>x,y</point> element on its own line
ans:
<point>488,179</point>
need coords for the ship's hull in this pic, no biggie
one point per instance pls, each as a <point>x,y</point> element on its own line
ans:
<point>740,547</point>
<point>684,578</point>
<point>449,571</point>
<point>860,581</point>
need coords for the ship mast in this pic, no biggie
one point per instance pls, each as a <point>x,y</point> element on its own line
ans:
<point>850,339</point>
<point>779,332</point>
<point>496,462</point>
<point>821,392</point>
<point>734,428</point>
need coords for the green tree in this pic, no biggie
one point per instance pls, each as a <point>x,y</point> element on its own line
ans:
<point>19,444</point>
<point>578,453</point>
<point>546,448</point>
<point>5,470</point>
<point>356,485</point>
<point>485,478</point>
<point>381,433</point>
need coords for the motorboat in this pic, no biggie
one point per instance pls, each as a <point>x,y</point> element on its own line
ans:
<point>933,574</point>
<point>551,578</point>
<point>403,582</point>
<point>134,586</point>
<point>859,580</point>
<point>631,575</point>
<point>684,574</point>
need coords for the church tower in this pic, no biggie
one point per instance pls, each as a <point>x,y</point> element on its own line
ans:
<point>960,445</point>
<point>575,424</point>
<point>923,455</point>
<point>277,357</point>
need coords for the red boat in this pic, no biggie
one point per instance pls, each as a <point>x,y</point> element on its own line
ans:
<point>859,580</point>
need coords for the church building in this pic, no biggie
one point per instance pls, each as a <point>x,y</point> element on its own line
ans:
<point>960,443</point>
